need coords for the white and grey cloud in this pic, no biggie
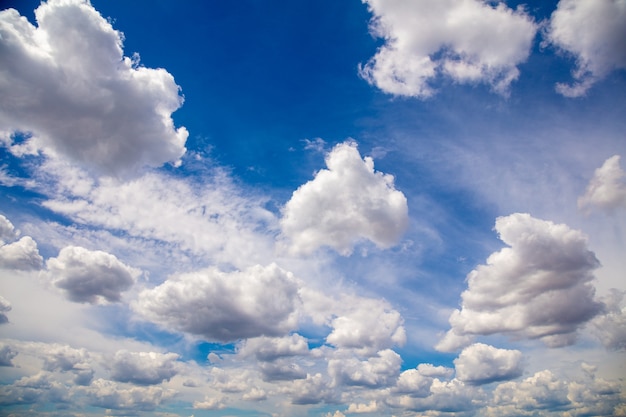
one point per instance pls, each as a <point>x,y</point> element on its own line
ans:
<point>469,42</point>
<point>68,82</point>
<point>7,353</point>
<point>90,276</point>
<point>610,326</point>
<point>481,364</point>
<point>5,307</point>
<point>22,255</point>
<point>593,32</point>
<point>377,371</point>
<point>7,230</point>
<point>607,188</point>
<point>540,287</point>
<point>268,349</point>
<point>343,204</point>
<point>225,306</point>
<point>144,368</point>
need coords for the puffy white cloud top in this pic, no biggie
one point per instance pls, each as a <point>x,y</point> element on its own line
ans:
<point>67,82</point>
<point>90,276</point>
<point>144,368</point>
<point>539,287</point>
<point>225,306</point>
<point>347,202</point>
<point>595,34</point>
<point>469,41</point>
<point>607,188</point>
<point>481,364</point>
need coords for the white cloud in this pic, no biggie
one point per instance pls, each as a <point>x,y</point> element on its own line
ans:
<point>6,355</point>
<point>222,306</point>
<point>539,287</point>
<point>5,307</point>
<point>272,348</point>
<point>144,368</point>
<point>67,81</point>
<point>594,33</point>
<point>372,407</point>
<point>607,188</point>
<point>314,389</point>
<point>481,364</point>
<point>611,326</point>
<point>345,203</point>
<point>90,276</point>
<point>469,41</point>
<point>377,371</point>
<point>7,230</point>
<point>66,359</point>
<point>22,255</point>
<point>111,395</point>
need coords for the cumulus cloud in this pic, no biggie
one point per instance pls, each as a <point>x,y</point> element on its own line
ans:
<point>5,307</point>
<point>281,370</point>
<point>377,371</point>
<point>221,306</point>
<point>314,389</point>
<point>6,355</point>
<point>111,395</point>
<point>90,276</point>
<point>607,188</point>
<point>595,34</point>
<point>68,82</point>
<point>611,326</point>
<point>67,359</point>
<point>481,364</point>
<point>268,349</point>
<point>144,368</point>
<point>343,204</point>
<point>7,230</point>
<point>539,287</point>
<point>469,41</point>
<point>22,255</point>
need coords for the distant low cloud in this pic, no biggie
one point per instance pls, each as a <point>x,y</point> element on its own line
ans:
<point>469,42</point>
<point>539,287</point>
<point>90,276</point>
<point>68,83</point>
<point>144,368</point>
<point>343,204</point>
<point>607,188</point>
<point>225,306</point>
<point>112,395</point>
<point>594,33</point>
<point>480,364</point>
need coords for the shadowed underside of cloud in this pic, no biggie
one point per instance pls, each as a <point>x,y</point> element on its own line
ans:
<point>539,287</point>
<point>68,83</point>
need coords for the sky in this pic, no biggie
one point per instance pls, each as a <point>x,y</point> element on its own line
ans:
<point>312,208</point>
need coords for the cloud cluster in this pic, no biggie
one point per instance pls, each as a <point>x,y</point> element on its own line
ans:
<point>607,188</point>
<point>67,82</point>
<point>90,276</point>
<point>21,254</point>
<point>225,306</point>
<point>343,204</point>
<point>144,368</point>
<point>539,287</point>
<point>481,364</point>
<point>377,371</point>
<point>470,42</point>
<point>594,33</point>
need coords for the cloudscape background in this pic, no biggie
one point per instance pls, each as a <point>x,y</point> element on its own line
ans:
<point>313,208</point>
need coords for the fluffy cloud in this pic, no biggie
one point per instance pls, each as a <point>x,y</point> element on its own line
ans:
<point>5,307</point>
<point>347,202</point>
<point>607,188</point>
<point>6,355</point>
<point>481,364</point>
<point>593,32</point>
<point>111,395</point>
<point>7,230</point>
<point>272,348</point>
<point>281,370</point>
<point>311,390</point>
<point>22,255</point>
<point>68,82</point>
<point>90,276</point>
<point>611,326</point>
<point>144,368</point>
<point>222,306</point>
<point>67,359</point>
<point>375,372</point>
<point>539,287</point>
<point>469,41</point>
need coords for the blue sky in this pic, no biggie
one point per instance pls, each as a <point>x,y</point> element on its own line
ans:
<point>312,208</point>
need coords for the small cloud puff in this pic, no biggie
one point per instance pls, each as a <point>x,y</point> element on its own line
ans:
<point>343,204</point>
<point>22,254</point>
<point>93,277</point>
<point>607,188</point>
<point>470,42</point>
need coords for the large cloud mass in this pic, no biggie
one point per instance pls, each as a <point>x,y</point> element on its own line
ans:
<point>220,306</point>
<point>347,202</point>
<point>468,41</point>
<point>68,82</point>
<point>539,287</point>
<point>595,34</point>
<point>90,276</point>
